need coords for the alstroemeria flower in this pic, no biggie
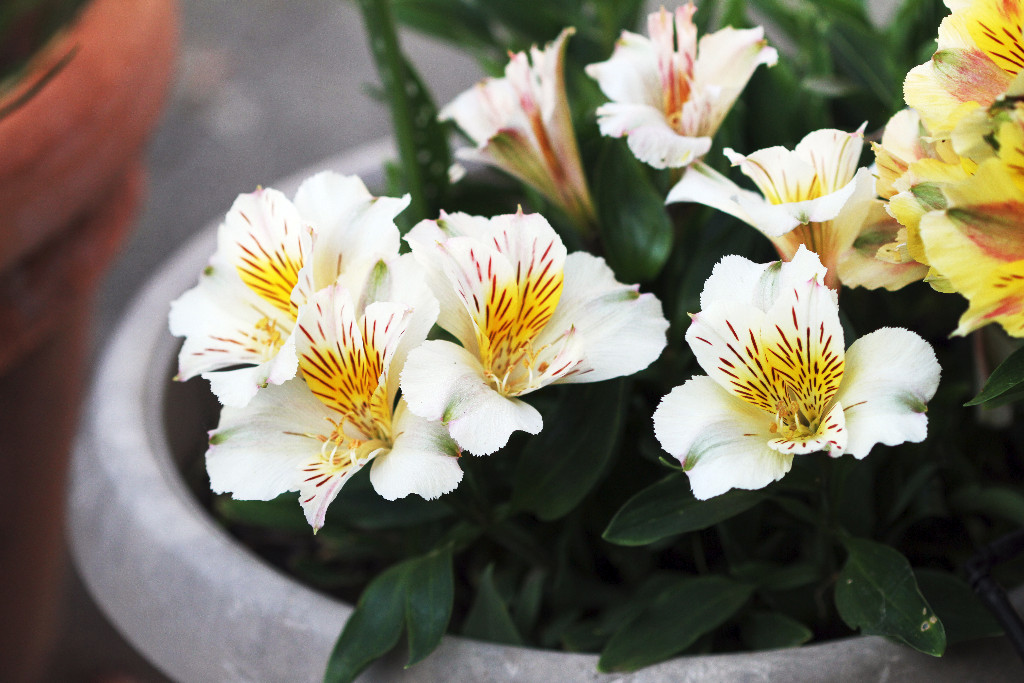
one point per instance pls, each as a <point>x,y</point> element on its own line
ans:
<point>526,315</point>
<point>521,124</point>
<point>670,93</point>
<point>781,383</point>
<point>813,196</point>
<point>980,55</point>
<point>271,255</point>
<point>977,242</point>
<point>312,433</point>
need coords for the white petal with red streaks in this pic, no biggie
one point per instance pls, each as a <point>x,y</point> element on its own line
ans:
<point>256,452</point>
<point>620,330</point>
<point>443,381</point>
<point>423,460</point>
<point>890,376</point>
<point>721,441</point>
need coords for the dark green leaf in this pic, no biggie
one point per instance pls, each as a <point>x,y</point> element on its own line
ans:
<point>429,593</point>
<point>635,228</point>
<point>876,592</point>
<point>1008,375</point>
<point>993,501</point>
<point>559,466</point>
<point>772,631</point>
<point>422,140</point>
<point>963,614</point>
<point>282,513</point>
<point>360,506</point>
<point>673,621</point>
<point>668,508</point>
<point>528,602</point>
<point>372,630</point>
<point>488,618</point>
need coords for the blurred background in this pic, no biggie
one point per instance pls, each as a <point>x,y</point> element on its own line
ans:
<point>262,90</point>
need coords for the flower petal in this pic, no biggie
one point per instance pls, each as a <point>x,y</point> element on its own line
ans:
<point>266,239</point>
<point>443,381</point>
<point>721,441</point>
<point>423,460</point>
<point>620,330</point>
<point>890,376</point>
<point>257,452</point>
<point>353,228</point>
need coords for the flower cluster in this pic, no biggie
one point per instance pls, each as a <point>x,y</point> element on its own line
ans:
<point>335,341</point>
<point>952,166</point>
<point>308,321</point>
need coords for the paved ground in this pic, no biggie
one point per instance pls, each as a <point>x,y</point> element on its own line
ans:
<point>265,88</point>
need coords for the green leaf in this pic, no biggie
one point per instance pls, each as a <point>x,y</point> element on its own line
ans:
<point>488,618</point>
<point>422,140</point>
<point>676,618</point>
<point>635,227</point>
<point>772,631</point>
<point>559,466</point>
<point>360,506</point>
<point>992,501</point>
<point>877,593</point>
<point>372,630</point>
<point>963,614</point>
<point>282,513</point>
<point>1007,376</point>
<point>668,508</point>
<point>429,594</point>
<point>528,602</point>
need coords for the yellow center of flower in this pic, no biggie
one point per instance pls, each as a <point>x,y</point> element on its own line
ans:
<point>351,379</point>
<point>511,317</point>
<point>791,373</point>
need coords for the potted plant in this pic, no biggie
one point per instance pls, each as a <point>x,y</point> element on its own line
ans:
<point>684,502</point>
<point>71,73</point>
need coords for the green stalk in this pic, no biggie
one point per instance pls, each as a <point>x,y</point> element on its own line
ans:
<point>422,142</point>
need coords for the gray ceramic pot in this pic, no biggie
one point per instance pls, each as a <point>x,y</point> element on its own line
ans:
<point>201,607</point>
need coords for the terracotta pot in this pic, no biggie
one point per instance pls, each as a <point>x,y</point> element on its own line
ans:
<point>71,183</point>
<point>201,607</point>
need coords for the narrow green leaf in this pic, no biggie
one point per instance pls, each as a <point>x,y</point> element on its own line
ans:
<point>429,594</point>
<point>635,228</point>
<point>559,466</point>
<point>963,614</point>
<point>877,593</point>
<point>528,602</point>
<point>422,141</point>
<point>993,501</point>
<point>773,631</point>
<point>372,630</point>
<point>282,513</point>
<point>668,508</point>
<point>673,621</point>
<point>488,618</point>
<point>1008,375</point>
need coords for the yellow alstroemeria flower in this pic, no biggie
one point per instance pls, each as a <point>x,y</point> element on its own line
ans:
<point>980,55</point>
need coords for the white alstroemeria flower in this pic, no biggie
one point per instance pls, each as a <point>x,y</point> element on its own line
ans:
<point>527,315</point>
<point>521,124</point>
<point>813,196</point>
<point>271,255</point>
<point>780,382</point>
<point>312,433</point>
<point>670,93</point>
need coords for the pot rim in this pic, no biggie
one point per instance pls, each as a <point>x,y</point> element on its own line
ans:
<point>125,488</point>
